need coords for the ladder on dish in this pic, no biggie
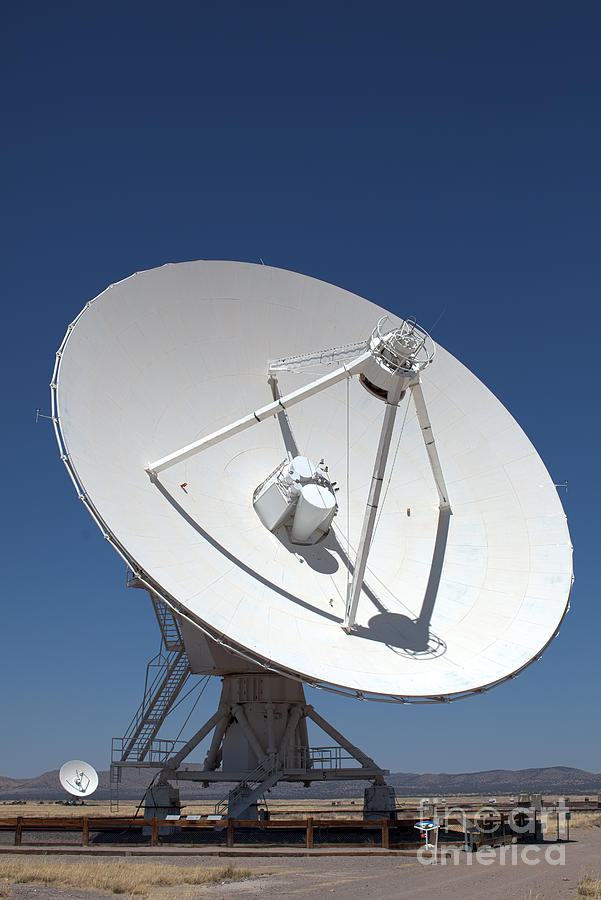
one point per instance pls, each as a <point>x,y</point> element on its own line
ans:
<point>161,690</point>
<point>166,674</point>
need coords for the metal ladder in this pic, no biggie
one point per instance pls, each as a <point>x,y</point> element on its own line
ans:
<point>159,696</point>
<point>172,636</point>
<point>166,675</point>
<point>114,782</point>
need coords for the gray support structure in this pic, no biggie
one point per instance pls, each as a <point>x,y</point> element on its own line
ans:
<point>365,760</point>
<point>259,735</point>
<point>194,741</point>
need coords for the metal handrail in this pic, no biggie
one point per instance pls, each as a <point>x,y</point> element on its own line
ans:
<point>159,751</point>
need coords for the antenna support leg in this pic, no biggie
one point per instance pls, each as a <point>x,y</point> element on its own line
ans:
<point>428,436</point>
<point>369,519</point>
<point>259,415</point>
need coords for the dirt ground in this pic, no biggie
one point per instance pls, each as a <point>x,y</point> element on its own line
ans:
<point>548,871</point>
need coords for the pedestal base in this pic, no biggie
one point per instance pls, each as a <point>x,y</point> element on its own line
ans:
<point>161,801</point>
<point>379,802</point>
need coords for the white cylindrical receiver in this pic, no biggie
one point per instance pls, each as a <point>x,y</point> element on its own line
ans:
<point>302,469</point>
<point>314,507</point>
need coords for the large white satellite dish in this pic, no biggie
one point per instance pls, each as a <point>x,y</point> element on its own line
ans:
<point>311,491</point>
<point>78,778</point>
<point>467,558</point>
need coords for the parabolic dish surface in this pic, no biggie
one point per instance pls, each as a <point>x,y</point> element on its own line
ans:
<point>78,778</point>
<point>168,356</point>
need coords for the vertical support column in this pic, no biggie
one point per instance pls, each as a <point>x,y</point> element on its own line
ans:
<point>309,831</point>
<point>271,748</point>
<point>154,837</point>
<point>294,715</point>
<point>369,519</point>
<point>18,830</point>
<point>385,834</point>
<point>85,831</point>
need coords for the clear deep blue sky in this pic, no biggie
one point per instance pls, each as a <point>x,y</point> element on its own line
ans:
<point>429,156</point>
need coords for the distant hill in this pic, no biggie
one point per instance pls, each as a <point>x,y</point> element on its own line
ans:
<point>550,780</point>
<point>553,779</point>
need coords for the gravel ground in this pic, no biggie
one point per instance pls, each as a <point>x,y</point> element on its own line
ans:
<point>498,877</point>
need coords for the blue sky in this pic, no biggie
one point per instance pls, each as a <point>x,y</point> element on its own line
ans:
<point>432,157</point>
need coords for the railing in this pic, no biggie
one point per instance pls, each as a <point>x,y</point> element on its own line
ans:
<point>317,758</point>
<point>159,750</point>
<point>168,624</point>
<point>407,346</point>
<point>170,630</point>
<point>317,357</point>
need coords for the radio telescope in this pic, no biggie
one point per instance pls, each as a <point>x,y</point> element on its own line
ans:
<point>78,778</point>
<point>311,491</point>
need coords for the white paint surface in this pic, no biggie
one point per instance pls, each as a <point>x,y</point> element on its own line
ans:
<point>173,354</point>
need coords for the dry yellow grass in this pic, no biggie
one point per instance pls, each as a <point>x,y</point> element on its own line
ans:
<point>590,886</point>
<point>121,877</point>
<point>585,820</point>
<point>99,808</point>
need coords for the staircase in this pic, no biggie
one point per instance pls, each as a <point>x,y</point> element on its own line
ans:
<point>168,624</point>
<point>172,673</point>
<point>267,773</point>
<point>166,675</point>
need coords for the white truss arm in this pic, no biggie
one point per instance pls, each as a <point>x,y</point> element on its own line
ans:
<point>428,436</point>
<point>317,358</point>
<point>369,519</point>
<point>259,415</point>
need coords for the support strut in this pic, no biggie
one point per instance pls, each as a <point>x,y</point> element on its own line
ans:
<point>369,519</point>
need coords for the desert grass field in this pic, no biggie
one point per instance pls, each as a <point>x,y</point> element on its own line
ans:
<point>297,808</point>
<point>116,876</point>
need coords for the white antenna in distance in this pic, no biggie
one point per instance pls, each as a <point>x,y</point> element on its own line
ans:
<point>78,778</point>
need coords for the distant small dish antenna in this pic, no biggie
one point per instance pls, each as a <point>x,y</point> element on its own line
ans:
<point>78,778</point>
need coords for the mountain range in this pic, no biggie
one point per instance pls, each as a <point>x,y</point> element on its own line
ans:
<point>550,780</point>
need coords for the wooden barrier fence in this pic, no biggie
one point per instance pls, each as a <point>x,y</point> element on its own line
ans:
<point>491,829</point>
<point>85,824</point>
